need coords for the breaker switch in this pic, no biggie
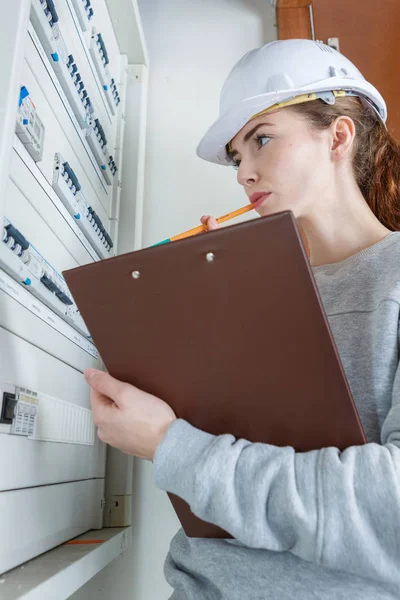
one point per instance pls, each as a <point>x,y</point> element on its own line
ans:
<point>8,408</point>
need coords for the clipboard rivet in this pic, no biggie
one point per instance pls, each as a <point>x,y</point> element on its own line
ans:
<point>135,274</point>
<point>210,256</point>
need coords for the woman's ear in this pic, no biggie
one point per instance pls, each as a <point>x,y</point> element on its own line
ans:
<point>343,134</point>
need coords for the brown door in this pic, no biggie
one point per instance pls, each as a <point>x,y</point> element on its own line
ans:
<point>368,34</point>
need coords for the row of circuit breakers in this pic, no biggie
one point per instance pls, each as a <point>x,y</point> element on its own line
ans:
<point>18,257</point>
<point>45,21</point>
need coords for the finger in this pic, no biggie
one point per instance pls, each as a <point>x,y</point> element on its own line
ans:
<point>212,223</point>
<point>105,384</point>
<point>101,407</point>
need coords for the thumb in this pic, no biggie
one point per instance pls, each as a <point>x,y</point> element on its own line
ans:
<point>105,384</point>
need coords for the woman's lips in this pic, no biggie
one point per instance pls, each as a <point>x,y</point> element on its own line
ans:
<point>260,199</point>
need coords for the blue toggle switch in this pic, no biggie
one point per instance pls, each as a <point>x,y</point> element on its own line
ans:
<point>23,94</point>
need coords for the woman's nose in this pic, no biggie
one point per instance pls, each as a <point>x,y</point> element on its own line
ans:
<point>246,175</point>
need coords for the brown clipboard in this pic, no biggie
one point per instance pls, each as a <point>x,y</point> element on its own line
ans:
<point>229,329</point>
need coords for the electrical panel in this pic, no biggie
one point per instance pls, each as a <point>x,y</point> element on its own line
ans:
<point>98,142</point>
<point>69,190</point>
<point>27,266</point>
<point>45,21</point>
<point>39,416</point>
<point>59,210</point>
<point>19,410</point>
<point>84,11</point>
<point>101,61</point>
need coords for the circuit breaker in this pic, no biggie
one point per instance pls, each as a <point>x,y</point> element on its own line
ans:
<point>29,127</point>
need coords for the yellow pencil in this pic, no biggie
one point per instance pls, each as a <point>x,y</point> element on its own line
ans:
<point>202,228</point>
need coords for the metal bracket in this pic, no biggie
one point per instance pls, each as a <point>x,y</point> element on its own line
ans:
<point>117,511</point>
<point>333,42</point>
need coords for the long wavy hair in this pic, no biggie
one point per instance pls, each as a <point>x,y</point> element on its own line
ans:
<point>376,154</point>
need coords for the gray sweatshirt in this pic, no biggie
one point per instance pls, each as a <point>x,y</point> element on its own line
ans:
<point>323,524</point>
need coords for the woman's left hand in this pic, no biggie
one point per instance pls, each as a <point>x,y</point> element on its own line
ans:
<point>127,418</point>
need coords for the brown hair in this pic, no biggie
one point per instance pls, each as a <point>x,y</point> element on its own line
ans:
<point>376,155</point>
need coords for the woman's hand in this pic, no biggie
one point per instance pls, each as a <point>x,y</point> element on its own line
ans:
<point>127,418</point>
<point>210,221</point>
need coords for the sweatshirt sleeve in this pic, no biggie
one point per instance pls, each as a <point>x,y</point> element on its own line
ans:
<point>337,509</point>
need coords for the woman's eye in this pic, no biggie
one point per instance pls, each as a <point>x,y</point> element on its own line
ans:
<point>262,140</point>
<point>236,164</point>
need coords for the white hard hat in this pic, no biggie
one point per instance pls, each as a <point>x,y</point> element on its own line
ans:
<point>279,73</point>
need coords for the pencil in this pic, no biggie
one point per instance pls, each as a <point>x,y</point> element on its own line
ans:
<point>202,228</point>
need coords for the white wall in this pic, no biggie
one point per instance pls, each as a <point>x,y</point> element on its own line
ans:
<point>192,44</point>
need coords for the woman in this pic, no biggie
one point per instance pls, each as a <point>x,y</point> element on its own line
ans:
<point>305,132</point>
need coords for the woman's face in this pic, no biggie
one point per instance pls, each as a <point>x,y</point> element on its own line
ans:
<point>278,153</point>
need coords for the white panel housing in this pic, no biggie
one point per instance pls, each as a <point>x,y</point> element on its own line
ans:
<point>71,112</point>
<point>55,514</point>
<point>33,463</point>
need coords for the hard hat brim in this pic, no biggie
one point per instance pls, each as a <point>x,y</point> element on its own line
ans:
<point>212,146</point>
